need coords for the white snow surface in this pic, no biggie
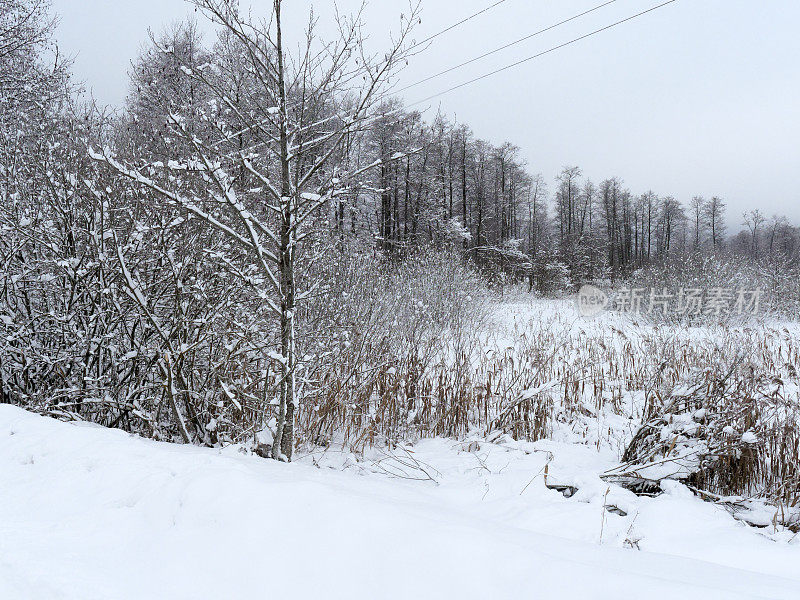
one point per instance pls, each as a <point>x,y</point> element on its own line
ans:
<point>90,513</point>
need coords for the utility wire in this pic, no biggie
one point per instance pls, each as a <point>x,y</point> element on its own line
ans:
<point>404,107</point>
<point>505,47</point>
<point>548,51</point>
<point>454,25</point>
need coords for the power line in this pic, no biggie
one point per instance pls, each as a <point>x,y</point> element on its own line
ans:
<point>548,51</point>
<point>404,107</point>
<point>505,47</point>
<point>443,31</point>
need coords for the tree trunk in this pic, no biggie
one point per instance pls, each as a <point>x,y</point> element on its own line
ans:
<point>284,431</point>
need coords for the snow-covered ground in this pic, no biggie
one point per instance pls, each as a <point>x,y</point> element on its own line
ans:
<point>87,512</point>
<point>92,513</point>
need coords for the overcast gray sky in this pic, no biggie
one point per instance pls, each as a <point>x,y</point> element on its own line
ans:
<point>699,97</point>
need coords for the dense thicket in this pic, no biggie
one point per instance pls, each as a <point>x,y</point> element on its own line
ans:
<point>250,244</point>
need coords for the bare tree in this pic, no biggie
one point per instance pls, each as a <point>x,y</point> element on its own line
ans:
<point>697,207</point>
<point>753,220</point>
<point>301,112</point>
<point>715,214</point>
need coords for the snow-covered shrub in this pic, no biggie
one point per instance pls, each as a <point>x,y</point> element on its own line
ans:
<point>550,277</point>
<point>776,280</point>
<point>729,428</point>
<point>376,330</point>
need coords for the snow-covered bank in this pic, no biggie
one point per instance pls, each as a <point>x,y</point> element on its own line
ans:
<point>93,513</point>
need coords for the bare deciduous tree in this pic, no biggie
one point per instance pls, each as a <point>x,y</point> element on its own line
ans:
<point>299,115</point>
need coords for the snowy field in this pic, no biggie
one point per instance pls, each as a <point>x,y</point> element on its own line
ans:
<point>92,513</point>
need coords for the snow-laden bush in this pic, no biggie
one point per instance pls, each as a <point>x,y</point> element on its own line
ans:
<point>374,333</point>
<point>776,279</point>
<point>731,428</point>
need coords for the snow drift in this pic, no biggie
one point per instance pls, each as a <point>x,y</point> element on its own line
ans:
<point>94,513</point>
